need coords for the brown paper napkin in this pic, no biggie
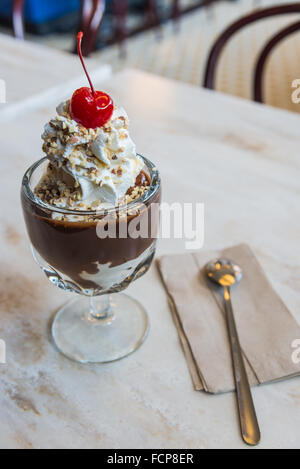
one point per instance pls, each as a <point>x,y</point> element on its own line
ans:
<point>266,327</point>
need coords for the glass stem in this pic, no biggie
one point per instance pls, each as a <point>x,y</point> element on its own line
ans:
<point>100,315</point>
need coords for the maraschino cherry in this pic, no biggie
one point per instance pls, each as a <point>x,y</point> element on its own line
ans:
<point>88,107</point>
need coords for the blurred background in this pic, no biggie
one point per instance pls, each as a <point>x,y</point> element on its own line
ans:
<point>170,38</point>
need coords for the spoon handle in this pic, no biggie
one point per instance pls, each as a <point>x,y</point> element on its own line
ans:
<point>249,424</point>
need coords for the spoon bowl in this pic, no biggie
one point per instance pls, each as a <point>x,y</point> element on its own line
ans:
<point>224,272</point>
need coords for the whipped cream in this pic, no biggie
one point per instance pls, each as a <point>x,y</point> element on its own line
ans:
<point>92,167</point>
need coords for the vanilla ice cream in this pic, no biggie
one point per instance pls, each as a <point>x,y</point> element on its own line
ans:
<point>88,167</point>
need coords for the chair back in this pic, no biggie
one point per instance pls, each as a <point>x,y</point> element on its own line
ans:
<point>222,40</point>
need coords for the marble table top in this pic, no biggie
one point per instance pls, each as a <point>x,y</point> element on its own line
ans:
<point>36,75</point>
<point>242,160</point>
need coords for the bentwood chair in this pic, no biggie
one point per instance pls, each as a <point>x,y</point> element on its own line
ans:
<point>221,42</point>
<point>92,11</point>
<point>91,14</point>
<point>178,8</point>
<point>120,13</point>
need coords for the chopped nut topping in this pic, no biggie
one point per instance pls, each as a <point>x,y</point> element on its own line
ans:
<point>69,148</point>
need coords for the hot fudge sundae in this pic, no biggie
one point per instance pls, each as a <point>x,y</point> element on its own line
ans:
<point>91,175</point>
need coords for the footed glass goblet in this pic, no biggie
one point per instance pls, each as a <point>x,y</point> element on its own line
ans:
<point>95,254</point>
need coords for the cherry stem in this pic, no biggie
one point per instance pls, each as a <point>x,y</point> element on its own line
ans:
<point>79,39</point>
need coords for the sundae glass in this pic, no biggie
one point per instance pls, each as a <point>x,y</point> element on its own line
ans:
<point>91,208</point>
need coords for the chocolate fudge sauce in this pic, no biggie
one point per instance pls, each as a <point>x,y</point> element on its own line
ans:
<point>73,247</point>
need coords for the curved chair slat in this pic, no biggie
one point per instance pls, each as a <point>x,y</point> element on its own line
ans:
<point>215,53</point>
<point>264,55</point>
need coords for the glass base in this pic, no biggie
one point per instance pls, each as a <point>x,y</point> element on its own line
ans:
<point>114,327</point>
